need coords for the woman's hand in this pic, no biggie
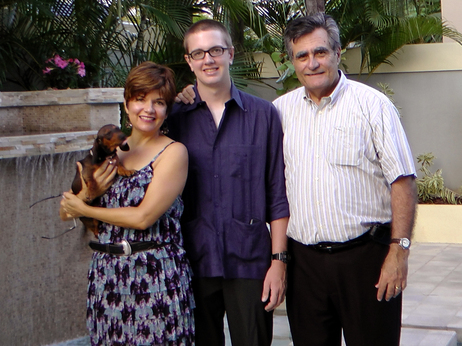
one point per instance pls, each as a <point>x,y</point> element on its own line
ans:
<point>72,206</point>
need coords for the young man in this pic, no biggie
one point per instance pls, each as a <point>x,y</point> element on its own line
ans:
<point>235,186</point>
<point>350,182</point>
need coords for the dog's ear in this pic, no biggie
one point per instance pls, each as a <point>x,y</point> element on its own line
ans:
<point>124,147</point>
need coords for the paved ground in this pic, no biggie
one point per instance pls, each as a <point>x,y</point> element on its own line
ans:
<point>432,305</point>
<point>433,298</point>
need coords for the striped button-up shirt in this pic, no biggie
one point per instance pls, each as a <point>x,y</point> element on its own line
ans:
<point>341,158</point>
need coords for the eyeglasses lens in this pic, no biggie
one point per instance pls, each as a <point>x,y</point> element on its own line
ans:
<point>213,52</point>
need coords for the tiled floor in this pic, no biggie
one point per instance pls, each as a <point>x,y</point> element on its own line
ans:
<point>433,298</point>
<point>432,305</point>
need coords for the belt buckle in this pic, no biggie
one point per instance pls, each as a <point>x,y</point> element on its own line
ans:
<point>324,247</point>
<point>126,247</point>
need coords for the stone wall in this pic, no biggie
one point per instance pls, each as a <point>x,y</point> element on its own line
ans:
<point>54,121</point>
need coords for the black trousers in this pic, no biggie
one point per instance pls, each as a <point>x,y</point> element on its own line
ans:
<point>249,323</point>
<point>328,292</point>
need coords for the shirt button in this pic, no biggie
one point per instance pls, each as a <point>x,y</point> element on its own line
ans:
<point>215,176</point>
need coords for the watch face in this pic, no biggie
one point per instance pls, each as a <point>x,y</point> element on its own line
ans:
<point>405,243</point>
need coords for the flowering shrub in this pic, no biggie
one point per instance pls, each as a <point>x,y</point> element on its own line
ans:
<point>62,73</point>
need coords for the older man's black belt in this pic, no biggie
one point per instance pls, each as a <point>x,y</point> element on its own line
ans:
<point>380,233</point>
<point>125,248</point>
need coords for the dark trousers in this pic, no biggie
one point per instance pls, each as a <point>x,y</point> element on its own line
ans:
<point>249,323</point>
<point>328,292</point>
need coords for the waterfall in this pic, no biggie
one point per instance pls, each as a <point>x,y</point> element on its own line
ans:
<point>41,281</point>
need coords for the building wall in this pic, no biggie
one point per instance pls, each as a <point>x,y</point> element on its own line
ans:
<point>431,108</point>
<point>451,11</point>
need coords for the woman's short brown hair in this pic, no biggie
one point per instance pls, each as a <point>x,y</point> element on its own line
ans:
<point>149,76</point>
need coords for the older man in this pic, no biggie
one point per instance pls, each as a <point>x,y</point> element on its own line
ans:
<point>352,196</point>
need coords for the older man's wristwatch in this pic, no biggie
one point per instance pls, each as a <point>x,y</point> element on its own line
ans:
<point>403,242</point>
<point>281,256</point>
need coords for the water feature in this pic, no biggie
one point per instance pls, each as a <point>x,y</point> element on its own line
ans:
<point>43,282</point>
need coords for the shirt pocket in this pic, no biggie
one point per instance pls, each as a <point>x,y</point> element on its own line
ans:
<point>345,146</point>
<point>245,161</point>
<point>247,242</point>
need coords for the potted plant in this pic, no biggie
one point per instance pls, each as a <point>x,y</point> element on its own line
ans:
<point>439,213</point>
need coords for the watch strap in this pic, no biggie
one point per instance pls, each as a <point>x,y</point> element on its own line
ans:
<point>281,256</point>
<point>405,243</point>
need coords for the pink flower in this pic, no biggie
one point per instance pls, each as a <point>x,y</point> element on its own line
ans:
<point>60,62</point>
<point>63,72</point>
<point>81,72</point>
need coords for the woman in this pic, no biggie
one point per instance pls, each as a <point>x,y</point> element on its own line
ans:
<point>144,298</point>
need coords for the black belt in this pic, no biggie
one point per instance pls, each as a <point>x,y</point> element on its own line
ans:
<point>124,248</point>
<point>380,233</point>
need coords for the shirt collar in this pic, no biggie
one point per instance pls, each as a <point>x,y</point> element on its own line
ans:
<point>339,88</point>
<point>235,97</point>
<point>333,97</point>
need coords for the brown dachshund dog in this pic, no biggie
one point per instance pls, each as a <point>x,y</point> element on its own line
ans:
<point>108,139</point>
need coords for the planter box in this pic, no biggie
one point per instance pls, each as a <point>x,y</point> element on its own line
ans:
<point>436,223</point>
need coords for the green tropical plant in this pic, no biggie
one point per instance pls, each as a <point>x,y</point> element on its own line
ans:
<point>34,30</point>
<point>111,36</point>
<point>91,31</point>
<point>378,27</point>
<point>152,30</point>
<point>431,187</point>
<point>381,27</point>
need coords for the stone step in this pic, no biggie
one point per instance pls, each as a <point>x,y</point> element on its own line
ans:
<point>428,337</point>
<point>409,336</point>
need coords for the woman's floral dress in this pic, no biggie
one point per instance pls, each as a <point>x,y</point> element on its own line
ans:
<point>145,298</point>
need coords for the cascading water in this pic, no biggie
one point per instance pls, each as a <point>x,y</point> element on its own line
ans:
<point>43,282</point>
<point>37,273</point>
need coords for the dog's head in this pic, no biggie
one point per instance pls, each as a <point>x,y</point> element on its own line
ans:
<point>107,140</point>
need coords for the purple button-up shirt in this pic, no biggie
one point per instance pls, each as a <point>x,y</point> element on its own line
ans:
<point>235,184</point>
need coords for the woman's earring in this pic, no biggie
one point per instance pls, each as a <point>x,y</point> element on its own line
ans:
<point>128,124</point>
<point>164,128</point>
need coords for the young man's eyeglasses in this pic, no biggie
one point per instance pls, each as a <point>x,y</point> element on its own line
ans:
<point>199,54</point>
